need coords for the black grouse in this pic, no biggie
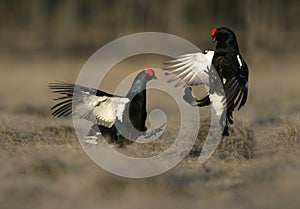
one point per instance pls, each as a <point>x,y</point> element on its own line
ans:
<point>110,113</point>
<point>196,68</point>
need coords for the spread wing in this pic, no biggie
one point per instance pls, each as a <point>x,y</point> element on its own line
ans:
<point>236,89</point>
<point>190,69</point>
<point>93,105</point>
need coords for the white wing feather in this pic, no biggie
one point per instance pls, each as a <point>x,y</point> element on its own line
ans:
<point>191,69</point>
<point>218,103</point>
<point>101,110</point>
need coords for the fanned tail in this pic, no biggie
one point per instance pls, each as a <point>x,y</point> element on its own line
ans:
<point>64,107</point>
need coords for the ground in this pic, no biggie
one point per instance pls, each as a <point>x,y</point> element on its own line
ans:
<point>44,166</point>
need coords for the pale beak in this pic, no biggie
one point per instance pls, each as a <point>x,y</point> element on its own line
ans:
<point>213,38</point>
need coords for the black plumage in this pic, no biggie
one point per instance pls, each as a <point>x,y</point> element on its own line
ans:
<point>111,114</point>
<point>232,70</point>
<point>196,69</point>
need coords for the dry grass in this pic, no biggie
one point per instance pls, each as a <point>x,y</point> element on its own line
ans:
<point>43,165</point>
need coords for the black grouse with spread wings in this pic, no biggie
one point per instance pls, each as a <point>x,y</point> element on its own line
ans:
<point>110,113</point>
<point>195,69</point>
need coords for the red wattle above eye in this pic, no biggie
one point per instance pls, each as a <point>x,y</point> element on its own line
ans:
<point>149,72</point>
<point>213,31</point>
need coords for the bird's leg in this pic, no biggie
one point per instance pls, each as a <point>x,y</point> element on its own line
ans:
<point>225,131</point>
<point>92,137</point>
<point>115,136</point>
<point>228,120</point>
<point>154,132</point>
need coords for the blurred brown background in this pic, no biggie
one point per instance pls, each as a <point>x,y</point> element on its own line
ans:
<point>81,26</point>
<point>52,40</point>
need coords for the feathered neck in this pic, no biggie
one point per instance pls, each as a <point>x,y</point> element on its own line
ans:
<point>138,87</point>
<point>228,44</point>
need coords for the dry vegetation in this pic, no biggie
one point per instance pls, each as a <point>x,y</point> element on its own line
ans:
<point>43,165</point>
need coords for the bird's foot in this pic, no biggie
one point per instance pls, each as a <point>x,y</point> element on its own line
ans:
<point>92,139</point>
<point>155,131</point>
<point>226,131</point>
